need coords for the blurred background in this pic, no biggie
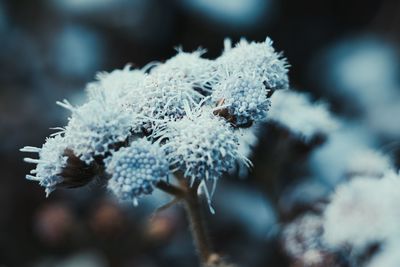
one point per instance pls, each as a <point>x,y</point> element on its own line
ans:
<point>343,52</point>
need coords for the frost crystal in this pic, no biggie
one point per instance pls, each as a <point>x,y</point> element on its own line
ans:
<point>116,85</point>
<point>258,60</point>
<point>294,111</point>
<point>201,145</point>
<point>95,128</point>
<point>188,69</point>
<point>50,163</point>
<point>245,98</point>
<point>162,100</point>
<point>136,169</point>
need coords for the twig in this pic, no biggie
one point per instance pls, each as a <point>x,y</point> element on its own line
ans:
<point>197,226</point>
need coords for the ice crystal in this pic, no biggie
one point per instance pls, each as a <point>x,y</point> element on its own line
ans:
<point>256,59</point>
<point>116,85</point>
<point>162,100</point>
<point>245,98</point>
<point>187,69</point>
<point>95,128</point>
<point>50,163</point>
<point>201,145</point>
<point>136,169</point>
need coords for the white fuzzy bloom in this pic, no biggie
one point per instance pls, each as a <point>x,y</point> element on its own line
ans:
<point>187,70</point>
<point>201,145</point>
<point>245,98</point>
<point>295,111</point>
<point>95,128</point>
<point>50,163</point>
<point>255,59</point>
<point>136,169</point>
<point>162,100</point>
<point>363,211</point>
<point>116,86</point>
<point>174,105</point>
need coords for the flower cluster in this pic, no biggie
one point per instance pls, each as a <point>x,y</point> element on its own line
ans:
<point>185,116</point>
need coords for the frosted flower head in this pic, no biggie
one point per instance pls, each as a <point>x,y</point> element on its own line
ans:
<point>201,145</point>
<point>188,69</point>
<point>50,163</point>
<point>257,59</point>
<point>95,128</point>
<point>295,111</point>
<point>244,97</point>
<point>163,100</point>
<point>363,211</point>
<point>136,169</point>
<point>116,85</point>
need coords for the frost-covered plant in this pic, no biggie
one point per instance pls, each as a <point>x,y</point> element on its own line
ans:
<point>357,225</point>
<point>360,220</point>
<point>191,118</point>
<point>366,208</point>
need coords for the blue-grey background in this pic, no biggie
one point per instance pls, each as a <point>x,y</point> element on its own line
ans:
<point>344,52</point>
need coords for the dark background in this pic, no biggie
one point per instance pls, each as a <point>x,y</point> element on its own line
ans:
<point>50,49</point>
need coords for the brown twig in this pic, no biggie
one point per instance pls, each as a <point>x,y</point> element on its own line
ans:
<point>188,194</point>
<point>197,226</point>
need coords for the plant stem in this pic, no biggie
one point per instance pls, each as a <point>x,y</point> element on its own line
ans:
<point>197,226</point>
<point>171,189</point>
<point>188,194</point>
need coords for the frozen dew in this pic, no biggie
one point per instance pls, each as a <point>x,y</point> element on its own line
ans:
<point>201,145</point>
<point>96,128</point>
<point>257,59</point>
<point>136,169</point>
<point>50,163</point>
<point>245,98</point>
